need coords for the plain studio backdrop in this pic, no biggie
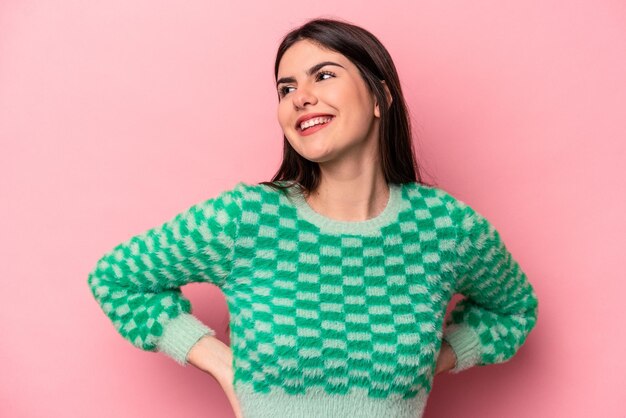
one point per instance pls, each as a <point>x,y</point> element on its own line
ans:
<point>117,115</point>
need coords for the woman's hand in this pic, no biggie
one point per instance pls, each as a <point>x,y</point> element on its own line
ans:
<point>216,358</point>
<point>227,385</point>
<point>446,359</point>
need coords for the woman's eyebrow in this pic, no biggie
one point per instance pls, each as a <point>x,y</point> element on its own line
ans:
<point>310,71</point>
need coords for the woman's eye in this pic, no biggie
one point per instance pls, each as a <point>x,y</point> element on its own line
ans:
<point>322,75</point>
<point>284,90</point>
<point>325,75</point>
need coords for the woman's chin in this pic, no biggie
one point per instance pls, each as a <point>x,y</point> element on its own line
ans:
<point>318,155</point>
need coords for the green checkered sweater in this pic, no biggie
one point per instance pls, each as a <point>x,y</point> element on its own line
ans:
<point>328,318</point>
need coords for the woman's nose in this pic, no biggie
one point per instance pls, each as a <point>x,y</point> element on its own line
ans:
<point>303,96</point>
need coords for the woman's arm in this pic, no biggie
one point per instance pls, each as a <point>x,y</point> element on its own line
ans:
<point>137,283</point>
<point>216,358</point>
<point>500,308</point>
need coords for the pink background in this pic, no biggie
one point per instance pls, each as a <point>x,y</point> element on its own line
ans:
<point>117,115</point>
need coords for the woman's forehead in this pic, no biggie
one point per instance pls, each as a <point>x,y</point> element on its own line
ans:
<point>299,57</point>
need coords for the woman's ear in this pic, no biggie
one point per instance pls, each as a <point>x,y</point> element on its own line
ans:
<point>389,99</point>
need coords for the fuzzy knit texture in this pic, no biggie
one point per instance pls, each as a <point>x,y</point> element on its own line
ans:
<point>328,318</point>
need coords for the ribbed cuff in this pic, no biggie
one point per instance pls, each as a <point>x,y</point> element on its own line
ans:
<point>180,334</point>
<point>466,345</point>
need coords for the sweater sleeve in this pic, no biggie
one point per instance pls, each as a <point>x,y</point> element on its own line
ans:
<point>499,310</point>
<point>137,283</point>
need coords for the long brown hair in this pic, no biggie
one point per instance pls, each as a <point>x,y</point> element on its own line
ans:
<point>368,54</point>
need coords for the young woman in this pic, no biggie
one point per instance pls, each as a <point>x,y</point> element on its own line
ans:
<point>338,272</point>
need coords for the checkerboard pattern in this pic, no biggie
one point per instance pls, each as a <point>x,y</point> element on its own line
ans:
<point>319,310</point>
<point>501,306</point>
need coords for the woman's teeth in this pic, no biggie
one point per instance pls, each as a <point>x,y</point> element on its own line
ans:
<point>315,121</point>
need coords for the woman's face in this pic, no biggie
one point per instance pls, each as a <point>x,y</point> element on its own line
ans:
<point>326,110</point>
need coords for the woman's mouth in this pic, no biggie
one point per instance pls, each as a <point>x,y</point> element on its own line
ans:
<point>310,126</point>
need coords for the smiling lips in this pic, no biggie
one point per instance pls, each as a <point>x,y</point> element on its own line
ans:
<point>310,124</point>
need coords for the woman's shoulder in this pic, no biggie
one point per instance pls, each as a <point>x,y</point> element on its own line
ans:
<point>262,191</point>
<point>429,192</point>
<point>434,198</point>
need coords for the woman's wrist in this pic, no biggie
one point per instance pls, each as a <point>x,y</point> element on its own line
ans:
<point>447,358</point>
<point>212,356</point>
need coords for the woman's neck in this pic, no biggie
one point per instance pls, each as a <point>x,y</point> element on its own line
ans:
<point>356,199</point>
